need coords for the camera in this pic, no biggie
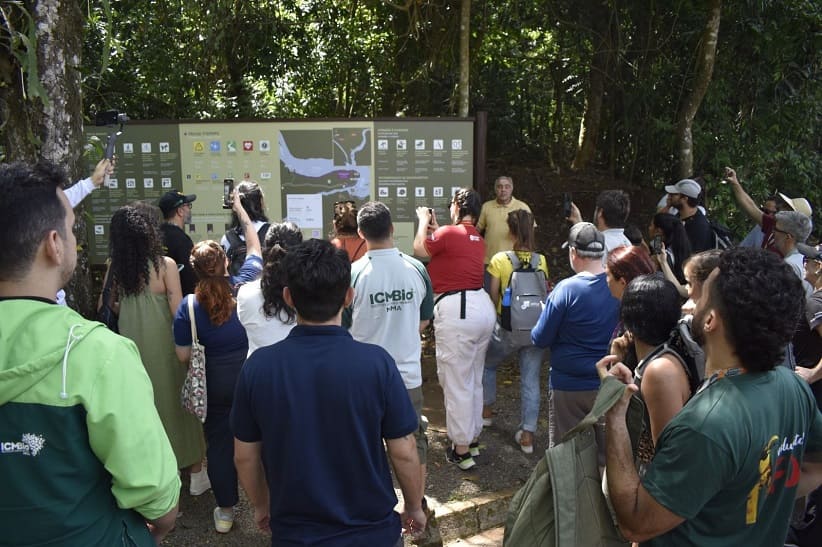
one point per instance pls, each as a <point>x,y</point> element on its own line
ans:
<point>111,117</point>
<point>228,190</point>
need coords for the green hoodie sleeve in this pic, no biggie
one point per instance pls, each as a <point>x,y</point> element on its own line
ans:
<point>126,434</point>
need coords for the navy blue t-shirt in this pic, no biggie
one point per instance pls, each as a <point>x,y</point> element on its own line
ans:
<point>321,404</point>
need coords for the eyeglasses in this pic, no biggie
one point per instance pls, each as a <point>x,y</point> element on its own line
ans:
<point>346,202</point>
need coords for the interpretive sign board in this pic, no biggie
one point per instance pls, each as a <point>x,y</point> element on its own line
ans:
<point>303,167</point>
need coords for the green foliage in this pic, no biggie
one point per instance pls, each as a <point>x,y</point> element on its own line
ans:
<point>530,63</point>
<point>18,40</point>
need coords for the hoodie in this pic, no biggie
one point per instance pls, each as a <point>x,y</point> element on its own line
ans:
<point>84,458</point>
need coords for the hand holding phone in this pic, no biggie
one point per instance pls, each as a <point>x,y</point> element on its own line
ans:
<point>228,193</point>
<point>566,204</point>
<point>656,245</point>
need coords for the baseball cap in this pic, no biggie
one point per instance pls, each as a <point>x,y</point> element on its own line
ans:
<point>800,205</point>
<point>686,187</point>
<point>584,236</point>
<point>172,200</point>
<point>810,251</point>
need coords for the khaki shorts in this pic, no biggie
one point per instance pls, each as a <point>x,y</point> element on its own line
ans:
<point>415,394</point>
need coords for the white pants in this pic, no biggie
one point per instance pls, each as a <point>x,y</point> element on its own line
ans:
<point>461,346</point>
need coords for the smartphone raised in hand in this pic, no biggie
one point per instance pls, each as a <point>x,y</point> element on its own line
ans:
<point>656,245</point>
<point>228,192</point>
<point>567,200</point>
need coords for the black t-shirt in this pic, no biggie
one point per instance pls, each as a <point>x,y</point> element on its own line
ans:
<point>699,232</point>
<point>178,245</point>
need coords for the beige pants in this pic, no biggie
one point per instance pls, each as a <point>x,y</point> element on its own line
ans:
<point>461,346</point>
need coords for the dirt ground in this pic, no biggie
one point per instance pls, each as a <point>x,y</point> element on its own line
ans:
<point>502,465</point>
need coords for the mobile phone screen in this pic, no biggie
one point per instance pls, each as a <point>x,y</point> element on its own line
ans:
<point>228,190</point>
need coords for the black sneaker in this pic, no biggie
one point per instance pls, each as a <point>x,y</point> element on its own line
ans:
<point>463,461</point>
<point>474,449</point>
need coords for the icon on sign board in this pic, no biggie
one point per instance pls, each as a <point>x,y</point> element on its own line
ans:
<point>165,182</point>
<point>165,148</point>
<point>419,144</point>
<point>231,146</point>
<point>146,147</point>
<point>419,192</point>
<point>148,183</point>
<point>382,144</point>
<point>401,192</point>
<point>265,146</point>
<point>248,146</point>
<point>99,230</point>
<point>131,183</point>
<point>456,144</point>
<point>439,144</point>
<point>113,183</point>
<point>199,147</point>
<point>214,146</point>
<point>382,192</point>
<point>437,191</point>
<point>128,147</point>
<point>401,144</point>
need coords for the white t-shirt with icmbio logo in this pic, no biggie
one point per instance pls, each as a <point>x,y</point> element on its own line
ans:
<point>392,294</point>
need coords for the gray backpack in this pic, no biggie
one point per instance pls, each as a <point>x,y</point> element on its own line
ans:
<point>523,300</point>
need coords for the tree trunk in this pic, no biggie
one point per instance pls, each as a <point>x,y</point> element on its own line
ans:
<point>465,57</point>
<point>53,129</point>
<point>706,57</point>
<point>589,126</point>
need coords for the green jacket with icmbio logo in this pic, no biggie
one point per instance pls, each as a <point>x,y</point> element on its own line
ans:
<point>84,458</point>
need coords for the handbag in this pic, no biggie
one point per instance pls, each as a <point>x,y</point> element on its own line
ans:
<point>193,396</point>
<point>106,314</point>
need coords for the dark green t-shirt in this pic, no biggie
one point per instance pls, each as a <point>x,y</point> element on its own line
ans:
<point>728,463</point>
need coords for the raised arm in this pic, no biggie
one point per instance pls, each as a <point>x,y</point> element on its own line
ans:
<point>746,203</point>
<point>426,223</point>
<point>252,240</point>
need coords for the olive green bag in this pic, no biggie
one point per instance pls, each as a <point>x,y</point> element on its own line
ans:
<point>561,504</point>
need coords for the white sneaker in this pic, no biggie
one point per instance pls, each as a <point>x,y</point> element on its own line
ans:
<point>223,521</point>
<point>199,483</point>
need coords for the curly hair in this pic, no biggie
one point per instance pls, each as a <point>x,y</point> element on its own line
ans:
<point>213,290</point>
<point>629,262</point>
<point>468,202</point>
<point>760,300</point>
<point>134,244</point>
<point>281,236</point>
<point>345,218</point>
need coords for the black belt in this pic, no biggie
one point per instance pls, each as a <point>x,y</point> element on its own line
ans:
<point>461,292</point>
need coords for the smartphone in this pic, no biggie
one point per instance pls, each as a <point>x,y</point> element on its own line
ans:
<point>656,245</point>
<point>228,191</point>
<point>433,219</point>
<point>566,204</point>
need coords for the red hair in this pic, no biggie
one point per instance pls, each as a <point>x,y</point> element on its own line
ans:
<point>629,262</point>
<point>213,290</point>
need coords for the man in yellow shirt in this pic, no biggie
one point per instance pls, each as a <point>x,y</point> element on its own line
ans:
<point>493,219</point>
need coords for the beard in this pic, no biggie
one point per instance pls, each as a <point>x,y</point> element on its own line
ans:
<point>698,327</point>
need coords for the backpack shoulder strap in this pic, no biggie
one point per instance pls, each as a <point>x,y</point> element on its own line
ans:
<point>534,261</point>
<point>514,259</point>
<point>233,239</point>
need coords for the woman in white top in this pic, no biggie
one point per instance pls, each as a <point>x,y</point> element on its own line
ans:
<point>260,305</point>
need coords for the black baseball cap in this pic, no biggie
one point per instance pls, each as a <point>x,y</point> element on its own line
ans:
<point>172,200</point>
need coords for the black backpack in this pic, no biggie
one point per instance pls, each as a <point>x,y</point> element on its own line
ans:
<point>723,238</point>
<point>237,247</point>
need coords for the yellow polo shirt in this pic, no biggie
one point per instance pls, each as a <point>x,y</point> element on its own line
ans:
<point>493,221</point>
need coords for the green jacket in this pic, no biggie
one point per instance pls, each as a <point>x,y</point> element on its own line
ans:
<point>84,458</point>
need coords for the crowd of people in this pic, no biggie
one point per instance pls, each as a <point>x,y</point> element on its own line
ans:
<point>314,374</point>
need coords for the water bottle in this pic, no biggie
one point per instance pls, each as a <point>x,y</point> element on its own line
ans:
<point>506,297</point>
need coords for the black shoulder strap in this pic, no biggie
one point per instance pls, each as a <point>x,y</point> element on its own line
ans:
<point>233,239</point>
<point>262,232</point>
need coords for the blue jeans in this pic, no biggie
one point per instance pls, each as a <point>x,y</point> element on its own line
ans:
<point>530,363</point>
